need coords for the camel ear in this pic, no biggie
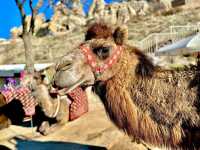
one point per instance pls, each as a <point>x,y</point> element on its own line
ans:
<point>120,35</point>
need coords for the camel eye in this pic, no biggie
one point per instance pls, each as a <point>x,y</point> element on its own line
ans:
<point>102,52</point>
<point>105,50</point>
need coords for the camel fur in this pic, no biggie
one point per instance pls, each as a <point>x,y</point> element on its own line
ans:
<point>4,121</point>
<point>152,109</point>
<point>152,105</point>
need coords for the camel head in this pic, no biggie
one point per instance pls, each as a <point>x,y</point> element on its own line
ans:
<point>106,52</point>
<point>103,53</point>
<point>93,60</point>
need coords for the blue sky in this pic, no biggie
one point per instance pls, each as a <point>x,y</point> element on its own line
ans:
<point>10,17</point>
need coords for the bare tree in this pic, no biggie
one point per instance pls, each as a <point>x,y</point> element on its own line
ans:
<point>28,30</point>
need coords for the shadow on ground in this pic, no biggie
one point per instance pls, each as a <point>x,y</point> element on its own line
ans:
<point>48,145</point>
<point>2,147</point>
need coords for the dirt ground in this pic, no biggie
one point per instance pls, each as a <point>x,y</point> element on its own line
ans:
<point>93,131</point>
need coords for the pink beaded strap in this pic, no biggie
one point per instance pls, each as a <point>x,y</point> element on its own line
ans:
<point>91,59</point>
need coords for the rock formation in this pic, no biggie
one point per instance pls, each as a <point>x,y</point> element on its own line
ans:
<point>70,19</point>
<point>58,21</point>
<point>39,23</point>
<point>65,19</point>
<point>123,15</point>
<point>117,13</point>
<point>16,32</point>
<point>167,4</point>
<point>77,8</point>
<point>157,5</point>
<point>96,9</point>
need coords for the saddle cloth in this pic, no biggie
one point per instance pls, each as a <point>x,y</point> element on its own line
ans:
<point>22,94</point>
<point>79,105</point>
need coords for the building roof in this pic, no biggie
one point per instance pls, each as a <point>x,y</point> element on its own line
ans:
<point>11,69</point>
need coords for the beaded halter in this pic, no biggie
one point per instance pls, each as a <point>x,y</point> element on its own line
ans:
<point>92,60</point>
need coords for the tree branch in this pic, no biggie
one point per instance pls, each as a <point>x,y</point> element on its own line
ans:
<point>39,4</point>
<point>29,55</point>
<point>22,14</point>
<point>23,2</point>
<point>34,12</point>
<point>32,23</point>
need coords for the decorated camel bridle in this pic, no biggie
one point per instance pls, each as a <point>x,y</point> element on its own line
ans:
<point>76,93</point>
<point>92,59</point>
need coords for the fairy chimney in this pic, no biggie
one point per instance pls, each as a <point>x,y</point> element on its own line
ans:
<point>77,8</point>
<point>16,32</point>
<point>123,14</point>
<point>59,20</point>
<point>113,14</point>
<point>39,22</point>
<point>132,11</point>
<point>167,4</point>
<point>96,9</point>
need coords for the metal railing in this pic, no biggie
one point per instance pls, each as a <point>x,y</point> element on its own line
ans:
<point>184,31</point>
<point>156,40</point>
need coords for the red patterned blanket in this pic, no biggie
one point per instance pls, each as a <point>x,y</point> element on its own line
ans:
<point>22,94</point>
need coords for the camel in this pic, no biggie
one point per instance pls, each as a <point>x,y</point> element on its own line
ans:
<point>13,112</point>
<point>42,82</point>
<point>4,121</point>
<point>58,96</point>
<point>45,115</point>
<point>154,106</point>
<point>59,105</point>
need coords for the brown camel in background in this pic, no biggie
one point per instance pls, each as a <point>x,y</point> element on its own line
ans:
<point>49,110</point>
<point>4,121</point>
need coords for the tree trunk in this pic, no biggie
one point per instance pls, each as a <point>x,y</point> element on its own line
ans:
<point>29,54</point>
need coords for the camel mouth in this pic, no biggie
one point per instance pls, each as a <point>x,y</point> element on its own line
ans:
<point>77,84</point>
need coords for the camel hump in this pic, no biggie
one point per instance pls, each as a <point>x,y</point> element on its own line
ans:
<point>145,67</point>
